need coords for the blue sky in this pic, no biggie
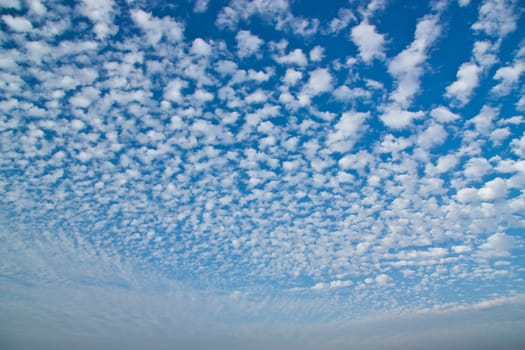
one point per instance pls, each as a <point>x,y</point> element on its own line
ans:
<point>285,174</point>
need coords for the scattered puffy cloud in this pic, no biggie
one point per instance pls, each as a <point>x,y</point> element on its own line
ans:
<point>172,91</point>
<point>292,76</point>
<point>443,114</point>
<point>518,146</point>
<point>332,284</point>
<point>475,168</point>
<point>369,42</point>
<point>497,17</point>
<point>319,81</point>
<point>101,13</point>
<point>407,66</point>
<point>483,121</point>
<point>11,4</point>
<point>201,6</point>
<point>296,57</point>
<point>432,136</point>
<point>18,24</point>
<point>344,18</point>
<point>151,163</point>
<point>247,43</point>
<point>467,81</point>
<point>346,131</point>
<point>200,47</point>
<point>397,118</point>
<point>277,12</point>
<point>156,28</point>
<point>238,10</point>
<point>258,96</point>
<point>493,189</point>
<point>382,279</point>
<point>344,93</point>
<point>446,163</point>
<point>509,76</point>
<point>316,54</point>
<point>498,245</point>
<point>37,7</point>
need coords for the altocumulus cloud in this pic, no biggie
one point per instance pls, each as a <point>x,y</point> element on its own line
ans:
<point>262,174</point>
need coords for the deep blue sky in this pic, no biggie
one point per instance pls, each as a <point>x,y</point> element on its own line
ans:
<point>219,174</point>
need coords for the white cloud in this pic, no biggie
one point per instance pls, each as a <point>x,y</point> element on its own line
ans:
<point>346,131</point>
<point>476,168</point>
<point>467,80</point>
<point>303,184</point>
<point>485,53</point>
<point>320,81</point>
<point>374,6</point>
<point>172,91</point>
<point>433,136</point>
<point>344,177</point>
<point>358,161</point>
<point>226,67</point>
<point>332,284</point>
<point>77,124</point>
<point>461,249</point>
<point>296,57</point>
<point>369,42</point>
<point>11,4</point>
<point>292,76</point>
<point>443,114</point>
<point>37,7</point>
<point>483,121</point>
<point>383,279</point>
<point>316,54</point>
<point>260,76</point>
<point>200,47</point>
<point>391,144</point>
<point>85,97</point>
<point>277,12</point>
<point>497,17</point>
<point>201,6</point>
<point>344,93</point>
<point>446,163</point>
<point>520,105</point>
<point>407,67</point>
<point>247,43</point>
<point>493,190</point>
<point>156,28</point>
<point>499,135</point>
<point>518,146</point>
<point>344,18</point>
<point>258,96</point>
<point>466,195</point>
<point>515,120</point>
<point>101,13</point>
<point>508,76</point>
<point>305,27</point>
<point>396,118</point>
<point>202,96</point>
<point>18,24</point>
<point>498,245</point>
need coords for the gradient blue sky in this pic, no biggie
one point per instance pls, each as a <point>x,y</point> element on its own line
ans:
<point>262,174</point>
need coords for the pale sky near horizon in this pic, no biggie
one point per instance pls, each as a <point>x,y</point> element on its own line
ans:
<point>262,174</point>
